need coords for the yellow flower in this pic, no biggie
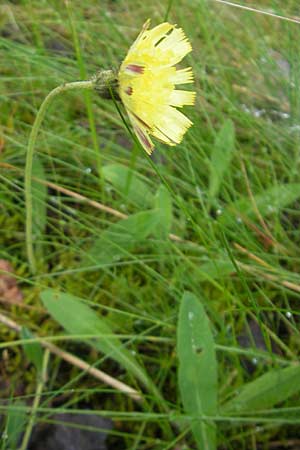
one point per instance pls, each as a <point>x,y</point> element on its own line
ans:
<point>147,80</point>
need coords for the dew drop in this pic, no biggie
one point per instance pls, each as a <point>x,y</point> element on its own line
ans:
<point>289,315</point>
<point>88,170</point>
<point>258,112</point>
<point>283,115</point>
<point>190,315</point>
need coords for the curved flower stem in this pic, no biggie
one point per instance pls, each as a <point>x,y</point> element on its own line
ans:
<point>90,84</point>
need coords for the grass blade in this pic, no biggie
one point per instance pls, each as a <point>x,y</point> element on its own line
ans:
<point>221,157</point>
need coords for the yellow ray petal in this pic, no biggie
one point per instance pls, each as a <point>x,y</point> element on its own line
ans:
<point>141,35</point>
<point>141,133</point>
<point>158,134</point>
<point>158,32</point>
<point>182,76</point>
<point>180,98</point>
<point>176,43</point>
<point>173,124</point>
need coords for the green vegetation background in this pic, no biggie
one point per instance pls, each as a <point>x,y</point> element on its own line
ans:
<point>222,247</point>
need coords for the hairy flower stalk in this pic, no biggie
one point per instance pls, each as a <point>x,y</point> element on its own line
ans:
<point>147,85</point>
<point>103,82</point>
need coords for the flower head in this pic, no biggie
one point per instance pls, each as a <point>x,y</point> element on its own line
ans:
<point>147,80</point>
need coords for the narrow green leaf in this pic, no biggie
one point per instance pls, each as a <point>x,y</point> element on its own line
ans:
<point>163,205</point>
<point>122,237</point>
<point>271,201</point>
<point>273,387</point>
<point>197,373</point>
<point>39,199</point>
<point>15,423</point>
<point>78,318</point>
<point>221,157</point>
<point>138,192</point>
<point>33,350</point>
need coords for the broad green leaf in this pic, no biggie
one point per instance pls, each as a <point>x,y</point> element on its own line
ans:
<point>121,237</point>
<point>79,319</point>
<point>273,387</point>
<point>15,423</point>
<point>216,269</point>
<point>163,205</point>
<point>221,157</point>
<point>39,199</point>
<point>197,373</point>
<point>33,350</point>
<point>138,193</point>
<point>272,200</point>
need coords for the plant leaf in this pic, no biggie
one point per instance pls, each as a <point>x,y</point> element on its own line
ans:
<point>33,350</point>
<point>121,237</point>
<point>197,373</point>
<point>266,391</point>
<point>138,192</point>
<point>163,205</point>
<point>221,157</point>
<point>216,269</point>
<point>271,201</point>
<point>77,318</point>
<point>15,423</point>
